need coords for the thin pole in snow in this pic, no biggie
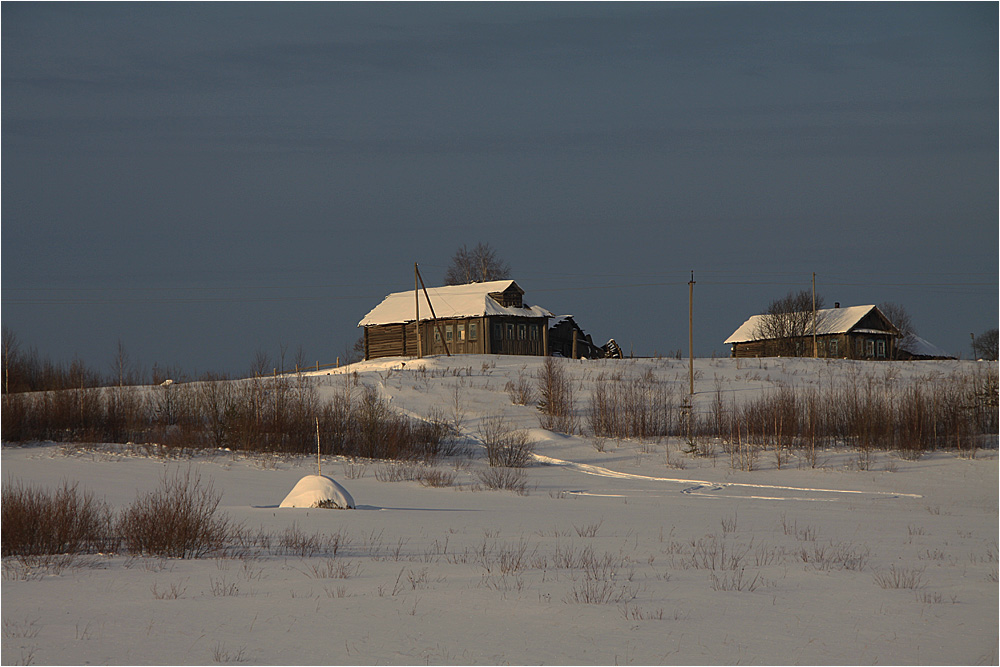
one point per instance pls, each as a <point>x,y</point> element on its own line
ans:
<point>433,316</point>
<point>815,346</point>
<point>416,299</point>
<point>691,333</point>
<point>319,461</point>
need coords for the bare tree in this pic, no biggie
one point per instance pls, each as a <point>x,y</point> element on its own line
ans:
<point>787,319</point>
<point>901,320</point>
<point>985,345</point>
<point>261,363</point>
<point>354,352</point>
<point>479,265</point>
<point>11,346</point>
<point>121,366</point>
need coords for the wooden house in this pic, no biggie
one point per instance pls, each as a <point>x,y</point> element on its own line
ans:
<point>476,318</point>
<point>856,332</point>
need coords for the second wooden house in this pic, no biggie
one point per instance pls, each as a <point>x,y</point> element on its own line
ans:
<point>476,318</point>
<point>856,332</point>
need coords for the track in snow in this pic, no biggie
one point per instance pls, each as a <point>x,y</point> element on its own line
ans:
<point>707,489</point>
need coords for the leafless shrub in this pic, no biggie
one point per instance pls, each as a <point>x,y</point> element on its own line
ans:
<point>66,521</point>
<point>258,415</point>
<point>504,479</point>
<point>221,654</point>
<point>505,446</point>
<point>173,591</point>
<point>521,391</point>
<point>503,558</point>
<point>640,408</point>
<point>556,401</point>
<point>26,629</point>
<point>832,556</point>
<point>435,477</point>
<point>589,530</point>
<point>331,568</point>
<point>294,541</point>
<point>177,520</point>
<point>901,577</point>
<point>712,553</point>
<point>636,613</point>
<point>803,533</point>
<point>397,472</point>
<point>591,591</point>
<point>764,555</point>
<point>602,583</point>
<point>220,587</point>
<point>737,580</point>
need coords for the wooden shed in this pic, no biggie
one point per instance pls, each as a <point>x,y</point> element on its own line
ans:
<point>475,318</point>
<point>856,332</point>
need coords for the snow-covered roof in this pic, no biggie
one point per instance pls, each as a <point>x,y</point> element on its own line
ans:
<point>450,302</point>
<point>828,321</point>
<point>919,347</point>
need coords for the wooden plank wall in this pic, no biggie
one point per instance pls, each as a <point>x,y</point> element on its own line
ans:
<point>390,340</point>
<point>846,347</point>
<point>393,340</point>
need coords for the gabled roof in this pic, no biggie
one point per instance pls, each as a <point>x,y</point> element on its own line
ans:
<point>919,347</point>
<point>828,321</point>
<point>450,302</point>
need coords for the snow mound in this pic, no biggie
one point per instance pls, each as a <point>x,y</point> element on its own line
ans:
<point>312,490</point>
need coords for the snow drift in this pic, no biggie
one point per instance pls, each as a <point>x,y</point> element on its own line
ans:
<point>314,490</point>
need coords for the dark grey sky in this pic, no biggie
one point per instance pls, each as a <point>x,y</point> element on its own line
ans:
<point>204,180</point>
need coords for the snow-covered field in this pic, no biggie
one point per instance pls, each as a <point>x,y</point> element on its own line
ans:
<point>637,554</point>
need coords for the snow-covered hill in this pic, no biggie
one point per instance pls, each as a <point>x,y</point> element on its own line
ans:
<point>620,551</point>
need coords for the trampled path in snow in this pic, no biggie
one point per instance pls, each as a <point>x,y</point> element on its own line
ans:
<point>709,489</point>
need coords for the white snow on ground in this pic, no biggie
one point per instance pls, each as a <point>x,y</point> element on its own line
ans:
<point>461,575</point>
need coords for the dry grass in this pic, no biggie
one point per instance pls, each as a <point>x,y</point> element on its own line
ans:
<point>899,577</point>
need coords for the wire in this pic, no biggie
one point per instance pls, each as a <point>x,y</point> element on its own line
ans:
<point>971,287</point>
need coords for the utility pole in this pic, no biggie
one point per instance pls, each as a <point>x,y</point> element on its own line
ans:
<point>416,301</point>
<point>815,346</point>
<point>691,333</point>
<point>433,316</point>
<point>319,458</point>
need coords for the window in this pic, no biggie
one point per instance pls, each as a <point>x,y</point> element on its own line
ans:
<point>832,348</point>
<point>437,335</point>
<point>533,332</point>
<point>510,332</point>
<point>449,333</point>
<point>881,348</point>
<point>870,347</point>
<point>473,331</point>
<point>461,331</point>
<point>498,331</point>
<point>522,332</point>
